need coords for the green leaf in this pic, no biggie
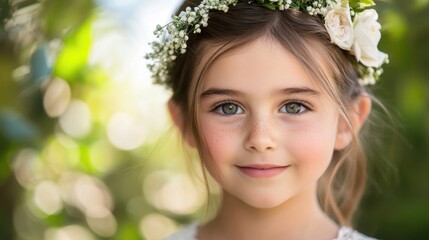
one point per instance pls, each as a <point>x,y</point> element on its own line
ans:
<point>72,61</point>
<point>366,3</point>
<point>60,15</point>
<point>361,4</point>
<point>269,5</point>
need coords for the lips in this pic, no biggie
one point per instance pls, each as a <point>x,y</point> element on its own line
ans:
<point>262,170</point>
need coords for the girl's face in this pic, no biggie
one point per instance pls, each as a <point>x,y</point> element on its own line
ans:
<point>269,130</point>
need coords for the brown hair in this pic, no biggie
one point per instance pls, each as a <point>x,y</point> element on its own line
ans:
<point>341,187</point>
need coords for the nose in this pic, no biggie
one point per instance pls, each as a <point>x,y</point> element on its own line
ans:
<point>260,136</point>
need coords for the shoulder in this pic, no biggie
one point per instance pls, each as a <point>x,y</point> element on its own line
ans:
<point>187,233</point>
<point>346,233</point>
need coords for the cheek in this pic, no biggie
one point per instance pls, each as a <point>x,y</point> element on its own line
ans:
<point>219,150</point>
<point>312,147</point>
<point>220,143</point>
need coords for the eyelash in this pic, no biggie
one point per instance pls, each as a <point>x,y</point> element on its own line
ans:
<point>300,103</point>
<point>217,108</point>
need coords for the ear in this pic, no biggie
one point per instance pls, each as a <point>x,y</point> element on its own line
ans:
<point>359,111</point>
<point>176,114</point>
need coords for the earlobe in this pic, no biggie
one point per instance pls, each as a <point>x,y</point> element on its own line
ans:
<point>176,114</point>
<point>361,107</point>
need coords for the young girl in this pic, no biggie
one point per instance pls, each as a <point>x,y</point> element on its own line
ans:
<point>271,93</point>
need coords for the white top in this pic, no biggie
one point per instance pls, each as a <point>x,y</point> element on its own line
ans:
<point>190,233</point>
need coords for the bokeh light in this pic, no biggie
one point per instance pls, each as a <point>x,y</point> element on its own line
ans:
<point>57,97</point>
<point>76,120</point>
<point>125,131</point>
<point>60,153</point>
<point>156,226</point>
<point>91,196</point>
<point>102,157</point>
<point>27,168</point>
<point>173,192</point>
<point>47,197</point>
<point>104,224</point>
<point>71,232</point>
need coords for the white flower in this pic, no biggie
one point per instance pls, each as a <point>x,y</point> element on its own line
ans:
<point>367,80</point>
<point>367,36</point>
<point>339,24</point>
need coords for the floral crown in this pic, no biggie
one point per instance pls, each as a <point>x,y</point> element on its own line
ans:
<point>351,26</point>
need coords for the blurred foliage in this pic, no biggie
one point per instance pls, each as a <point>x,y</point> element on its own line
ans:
<point>83,156</point>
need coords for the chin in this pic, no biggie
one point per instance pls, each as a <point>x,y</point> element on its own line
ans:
<point>264,202</point>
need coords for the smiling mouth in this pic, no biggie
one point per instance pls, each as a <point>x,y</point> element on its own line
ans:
<point>262,171</point>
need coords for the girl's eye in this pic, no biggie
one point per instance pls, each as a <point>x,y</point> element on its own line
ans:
<point>293,108</point>
<point>228,109</point>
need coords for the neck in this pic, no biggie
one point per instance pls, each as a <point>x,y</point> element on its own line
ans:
<point>297,218</point>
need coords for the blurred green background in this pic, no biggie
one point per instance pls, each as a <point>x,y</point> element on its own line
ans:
<point>86,147</point>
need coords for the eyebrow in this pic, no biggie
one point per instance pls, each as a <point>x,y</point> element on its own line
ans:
<point>285,91</point>
<point>219,91</point>
<point>298,90</point>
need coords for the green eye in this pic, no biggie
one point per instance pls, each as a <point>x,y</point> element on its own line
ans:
<point>293,108</point>
<point>228,109</point>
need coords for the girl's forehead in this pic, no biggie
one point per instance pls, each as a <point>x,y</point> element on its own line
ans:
<point>260,64</point>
